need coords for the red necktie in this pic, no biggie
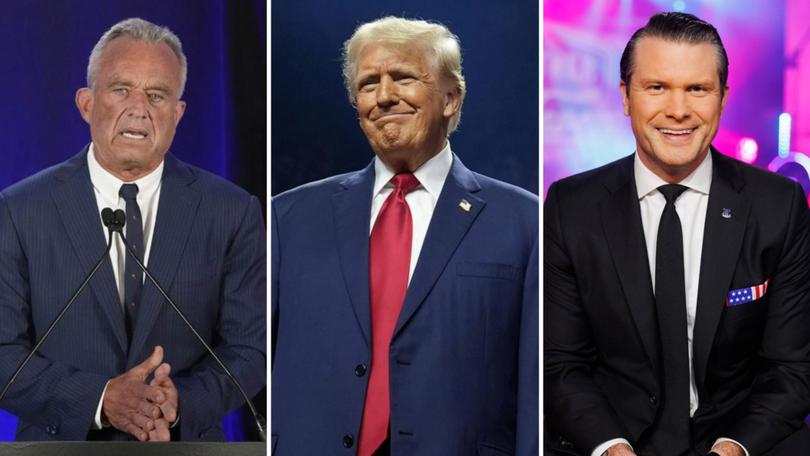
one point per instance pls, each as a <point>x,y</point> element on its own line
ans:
<point>389,261</point>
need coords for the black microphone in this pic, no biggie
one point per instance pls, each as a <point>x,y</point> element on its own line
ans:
<point>108,218</point>
<point>120,219</point>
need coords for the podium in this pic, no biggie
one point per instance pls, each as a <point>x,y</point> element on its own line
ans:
<point>133,449</point>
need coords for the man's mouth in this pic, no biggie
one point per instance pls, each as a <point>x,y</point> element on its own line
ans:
<point>669,131</point>
<point>389,115</point>
<point>134,134</point>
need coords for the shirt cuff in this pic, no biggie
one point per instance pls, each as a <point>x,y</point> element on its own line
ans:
<point>725,439</point>
<point>604,447</point>
<point>97,424</point>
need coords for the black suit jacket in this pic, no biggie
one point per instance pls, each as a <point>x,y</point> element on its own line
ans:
<point>602,353</point>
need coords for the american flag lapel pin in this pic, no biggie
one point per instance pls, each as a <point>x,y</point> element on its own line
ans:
<point>465,205</point>
<point>726,213</point>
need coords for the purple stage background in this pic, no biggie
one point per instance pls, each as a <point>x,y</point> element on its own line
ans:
<point>584,126</point>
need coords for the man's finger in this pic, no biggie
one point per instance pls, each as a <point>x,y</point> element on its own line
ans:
<point>161,432</point>
<point>135,431</point>
<point>143,422</point>
<point>149,365</point>
<point>151,393</point>
<point>162,372</point>
<point>148,409</point>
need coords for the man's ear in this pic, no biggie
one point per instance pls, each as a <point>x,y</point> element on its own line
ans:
<point>452,102</point>
<point>179,110</point>
<point>625,101</point>
<point>84,102</point>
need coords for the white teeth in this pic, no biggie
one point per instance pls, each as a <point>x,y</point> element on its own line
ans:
<point>676,132</point>
<point>129,135</point>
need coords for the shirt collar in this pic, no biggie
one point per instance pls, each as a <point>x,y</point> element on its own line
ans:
<point>431,174</point>
<point>109,185</point>
<point>700,180</point>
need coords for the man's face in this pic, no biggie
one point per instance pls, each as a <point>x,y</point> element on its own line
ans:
<point>403,103</point>
<point>675,102</point>
<point>133,108</point>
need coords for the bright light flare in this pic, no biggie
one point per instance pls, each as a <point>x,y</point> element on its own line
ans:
<point>747,150</point>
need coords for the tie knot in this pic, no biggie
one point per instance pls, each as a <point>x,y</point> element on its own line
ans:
<point>128,191</point>
<point>405,183</point>
<point>671,192</point>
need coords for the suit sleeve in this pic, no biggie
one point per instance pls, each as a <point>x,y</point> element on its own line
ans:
<point>575,407</point>
<point>206,394</point>
<point>527,419</point>
<point>60,399</point>
<point>779,395</point>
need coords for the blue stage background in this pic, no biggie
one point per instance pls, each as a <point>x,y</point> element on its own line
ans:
<point>46,45</point>
<point>315,133</point>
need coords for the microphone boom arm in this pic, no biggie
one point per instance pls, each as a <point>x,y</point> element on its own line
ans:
<point>258,418</point>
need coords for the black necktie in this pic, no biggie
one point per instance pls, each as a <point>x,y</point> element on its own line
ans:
<point>133,276</point>
<point>672,435</point>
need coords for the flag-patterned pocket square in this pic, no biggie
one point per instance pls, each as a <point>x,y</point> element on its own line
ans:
<point>744,295</point>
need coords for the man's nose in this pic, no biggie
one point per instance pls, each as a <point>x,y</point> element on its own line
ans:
<point>138,105</point>
<point>678,105</point>
<point>387,94</point>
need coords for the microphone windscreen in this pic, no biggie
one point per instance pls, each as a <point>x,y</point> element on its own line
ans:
<point>107,216</point>
<point>120,218</point>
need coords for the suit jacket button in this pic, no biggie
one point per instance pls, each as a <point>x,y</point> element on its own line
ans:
<point>53,430</point>
<point>348,441</point>
<point>565,443</point>
<point>360,370</point>
<point>653,399</point>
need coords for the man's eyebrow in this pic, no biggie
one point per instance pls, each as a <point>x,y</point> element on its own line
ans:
<point>160,87</point>
<point>118,81</point>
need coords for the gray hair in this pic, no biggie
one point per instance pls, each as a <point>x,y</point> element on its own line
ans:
<point>433,37</point>
<point>141,30</point>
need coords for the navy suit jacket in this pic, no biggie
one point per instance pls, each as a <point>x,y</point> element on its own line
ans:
<point>208,251</point>
<point>464,354</point>
<point>603,367</point>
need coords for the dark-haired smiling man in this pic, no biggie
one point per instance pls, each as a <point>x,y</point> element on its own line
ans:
<point>677,292</point>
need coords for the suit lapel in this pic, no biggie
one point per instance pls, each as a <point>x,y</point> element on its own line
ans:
<point>77,207</point>
<point>722,239</point>
<point>621,219</point>
<point>175,216</point>
<point>447,228</point>
<point>352,211</point>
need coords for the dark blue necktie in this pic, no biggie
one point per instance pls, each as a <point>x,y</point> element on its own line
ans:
<point>673,436</point>
<point>133,276</point>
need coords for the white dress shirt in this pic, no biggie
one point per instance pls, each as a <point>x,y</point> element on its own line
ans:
<point>105,188</point>
<point>691,208</point>
<point>421,201</point>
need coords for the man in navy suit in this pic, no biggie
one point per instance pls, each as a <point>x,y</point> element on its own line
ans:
<point>404,295</point>
<point>677,280</point>
<point>121,364</point>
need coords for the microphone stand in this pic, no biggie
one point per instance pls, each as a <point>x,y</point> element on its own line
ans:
<point>120,219</point>
<point>110,223</point>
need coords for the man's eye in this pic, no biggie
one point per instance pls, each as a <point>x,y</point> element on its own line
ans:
<point>368,87</point>
<point>406,79</point>
<point>656,88</point>
<point>120,91</point>
<point>697,89</point>
<point>155,97</point>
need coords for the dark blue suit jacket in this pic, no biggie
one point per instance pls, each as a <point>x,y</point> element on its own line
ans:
<point>208,251</point>
<point>464,354</point>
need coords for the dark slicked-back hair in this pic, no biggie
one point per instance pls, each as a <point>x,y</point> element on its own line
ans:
<point>680,28</point>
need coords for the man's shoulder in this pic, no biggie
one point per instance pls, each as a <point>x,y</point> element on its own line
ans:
<point>41,183</point>
<point>590,183</point>
<point>316,192</point>
<point>756,181</point>
<point>500,191</point>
